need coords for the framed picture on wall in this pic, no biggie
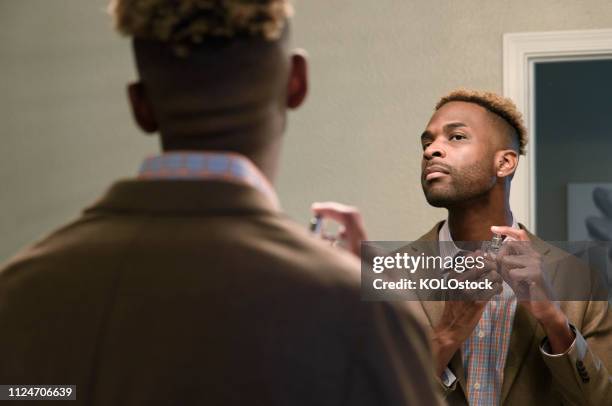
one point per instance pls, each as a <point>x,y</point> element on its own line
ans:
<point>589,211</point>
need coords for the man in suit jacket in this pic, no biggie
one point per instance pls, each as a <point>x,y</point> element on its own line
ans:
<point>188,285</point>
<point>521,348</point>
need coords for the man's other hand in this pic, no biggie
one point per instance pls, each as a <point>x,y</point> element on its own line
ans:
<point>521,268</point>
<point>462,312</point>
<point>352,229</point>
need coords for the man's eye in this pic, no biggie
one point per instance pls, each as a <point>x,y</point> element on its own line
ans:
<point>426,144</point>
<point>457,137</point>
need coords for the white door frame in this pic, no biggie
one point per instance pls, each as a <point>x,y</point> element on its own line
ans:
<point>520,53</point>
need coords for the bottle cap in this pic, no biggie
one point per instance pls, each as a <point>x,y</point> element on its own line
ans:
<point>496,241</point>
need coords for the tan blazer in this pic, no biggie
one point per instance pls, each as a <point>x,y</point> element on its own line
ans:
<point>579,377</point>
<point>190,292</point>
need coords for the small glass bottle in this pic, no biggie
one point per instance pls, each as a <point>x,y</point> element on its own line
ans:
<point>496,243</point>
<point>316,225</point>
<point>491,248</point>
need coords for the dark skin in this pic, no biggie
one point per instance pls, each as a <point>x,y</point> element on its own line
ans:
<point>475,191</point>
<point>234,98</point>
<point>469,158</point>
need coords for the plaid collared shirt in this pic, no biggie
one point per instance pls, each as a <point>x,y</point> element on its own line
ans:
<point>197,165</point>
<point>484,352</point>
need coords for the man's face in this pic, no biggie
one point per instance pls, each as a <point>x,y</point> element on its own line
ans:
<point>458,154</point>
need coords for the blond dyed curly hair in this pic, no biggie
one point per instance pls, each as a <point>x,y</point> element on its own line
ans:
<point>186,23</point>
<point>501,106</point>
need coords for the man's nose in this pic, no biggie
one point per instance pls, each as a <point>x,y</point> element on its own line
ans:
<point>434,150</point>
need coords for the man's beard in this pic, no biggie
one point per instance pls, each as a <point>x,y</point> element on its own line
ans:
<point>471,184</point>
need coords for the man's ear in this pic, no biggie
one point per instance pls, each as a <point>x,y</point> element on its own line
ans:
<point>297,87</point>
<point>506,162</point>
<point>142,111</point>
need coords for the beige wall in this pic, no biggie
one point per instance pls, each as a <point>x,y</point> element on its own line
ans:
<point>377,67</point>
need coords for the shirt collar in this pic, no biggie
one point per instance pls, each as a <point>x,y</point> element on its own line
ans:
<point>449,248</point>
<point>206,165</point>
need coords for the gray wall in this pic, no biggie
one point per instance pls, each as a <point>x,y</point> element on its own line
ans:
<point>377,68</point>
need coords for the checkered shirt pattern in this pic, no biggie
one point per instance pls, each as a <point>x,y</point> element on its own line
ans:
<point>484,352</point>
<point>219,166</point>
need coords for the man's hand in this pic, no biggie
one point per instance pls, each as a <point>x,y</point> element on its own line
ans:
<point>352,229</point>
<point>521,268</point>
<point>462,312</point>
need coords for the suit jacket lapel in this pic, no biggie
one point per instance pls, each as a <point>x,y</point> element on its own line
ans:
<point>428,244</point>
<point>522,339</point>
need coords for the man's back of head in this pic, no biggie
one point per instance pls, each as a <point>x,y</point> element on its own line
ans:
<point>214,75</point>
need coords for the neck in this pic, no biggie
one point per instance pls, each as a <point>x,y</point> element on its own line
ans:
<point>472,221</point>
<point>260,141</point>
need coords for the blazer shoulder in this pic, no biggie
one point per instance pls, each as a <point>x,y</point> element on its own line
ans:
<point>432,234</point>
